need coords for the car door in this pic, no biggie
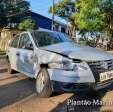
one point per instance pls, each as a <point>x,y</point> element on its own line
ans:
<point>12,51</point>
<point>25,55</point>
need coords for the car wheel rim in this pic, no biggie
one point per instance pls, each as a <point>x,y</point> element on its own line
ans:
<point>40,83</point>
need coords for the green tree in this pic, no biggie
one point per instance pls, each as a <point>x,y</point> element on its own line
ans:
<point>27,24</point>
<point>107,9</point>
<point>88,15</point>
<point>95,16</point>
<point>11,10</point>
<point>64,9</point>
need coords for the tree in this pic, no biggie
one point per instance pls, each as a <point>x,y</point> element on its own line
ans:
<point>107,9</point>
<point>64,9</point>
<point>88,15</point>
<point>11,10</point>
<point>95,16</point>
<point>27,24</point>
<point>11,13</point>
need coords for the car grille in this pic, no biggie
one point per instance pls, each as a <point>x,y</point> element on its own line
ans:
<point>98,67</point>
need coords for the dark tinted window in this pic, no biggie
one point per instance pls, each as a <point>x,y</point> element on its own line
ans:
<point>44,39</point>
<point>48,38</point>
<point>15,42</point>
<point>24,41</point>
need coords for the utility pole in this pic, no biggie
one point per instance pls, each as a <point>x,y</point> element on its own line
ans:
<point>53,16</point>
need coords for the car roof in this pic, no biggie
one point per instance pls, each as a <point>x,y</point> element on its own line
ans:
<point>42,30</point>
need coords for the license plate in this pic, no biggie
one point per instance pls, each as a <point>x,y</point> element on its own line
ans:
<point>106,76</point>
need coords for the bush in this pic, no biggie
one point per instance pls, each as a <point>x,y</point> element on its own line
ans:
<point>27,24</point>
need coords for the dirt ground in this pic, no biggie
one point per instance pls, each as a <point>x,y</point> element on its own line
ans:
<point>17,94</point>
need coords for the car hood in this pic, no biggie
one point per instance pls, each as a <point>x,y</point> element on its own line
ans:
<point>75,51</point>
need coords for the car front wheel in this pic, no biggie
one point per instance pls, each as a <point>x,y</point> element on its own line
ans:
<point>43,84</point>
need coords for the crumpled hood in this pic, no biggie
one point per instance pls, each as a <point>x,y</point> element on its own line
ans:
<point>76,51</point>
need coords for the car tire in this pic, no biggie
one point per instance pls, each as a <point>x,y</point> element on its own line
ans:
<point>43,84</point>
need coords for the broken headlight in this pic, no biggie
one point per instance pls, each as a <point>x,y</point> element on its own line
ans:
<point>68,65</point>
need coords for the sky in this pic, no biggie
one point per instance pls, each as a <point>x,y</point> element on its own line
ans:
<point>42,6</point>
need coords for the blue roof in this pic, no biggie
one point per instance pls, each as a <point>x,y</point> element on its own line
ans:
<point>57,19</point>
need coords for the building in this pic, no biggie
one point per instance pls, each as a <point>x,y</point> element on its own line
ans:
<point>46,22</point>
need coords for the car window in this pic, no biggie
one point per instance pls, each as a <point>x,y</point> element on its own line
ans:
<point>25,42</point>
<point>15,42</point>
<point>45,39</point>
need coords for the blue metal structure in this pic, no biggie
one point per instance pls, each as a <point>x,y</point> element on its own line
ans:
<point>41,21</point>
<point>45,22</point>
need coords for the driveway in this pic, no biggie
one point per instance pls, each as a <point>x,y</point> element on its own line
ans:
<point>17,94</point>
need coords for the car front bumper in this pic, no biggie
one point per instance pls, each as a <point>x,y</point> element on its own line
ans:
<point>78,87</point>
<point>71,81</point>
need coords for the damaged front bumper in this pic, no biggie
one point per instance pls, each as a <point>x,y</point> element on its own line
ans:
<point>71,81</point>
<point>70,87</point>
<point>78,87</point>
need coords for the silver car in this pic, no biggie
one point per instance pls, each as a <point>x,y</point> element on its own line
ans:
<point>59,64</point>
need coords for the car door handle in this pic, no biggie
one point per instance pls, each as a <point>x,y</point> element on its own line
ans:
<point>17,54</point>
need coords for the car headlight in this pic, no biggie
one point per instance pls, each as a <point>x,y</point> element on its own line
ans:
<point>68,65</point>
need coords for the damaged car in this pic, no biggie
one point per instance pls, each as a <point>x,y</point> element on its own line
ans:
<point>59,64</point>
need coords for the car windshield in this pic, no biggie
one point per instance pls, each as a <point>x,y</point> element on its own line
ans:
<point>42,38</point>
